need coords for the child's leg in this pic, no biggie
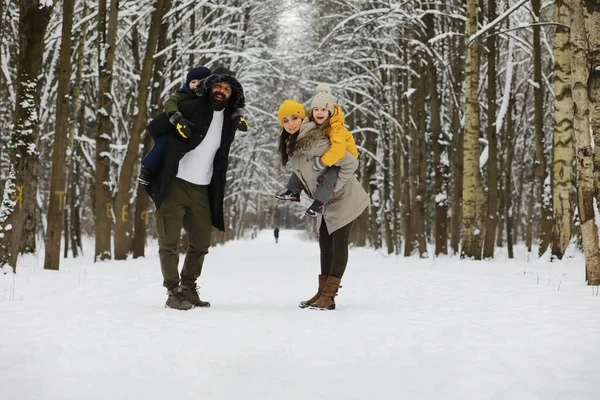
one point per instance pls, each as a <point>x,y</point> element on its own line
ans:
<point>325,188</point>
<point>293,189</point>
<point>294,184</point>
<point>154,158</point>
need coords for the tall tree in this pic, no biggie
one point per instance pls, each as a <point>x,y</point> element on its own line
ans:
<point>593,10</point>
<point>123,196</point>
<point>141,207</point>
<point>24,156</point>
<point>458,51</point>
<point>583,147</point>
<point>106,59</point>
<point>440,168</point>
<point>540,167</point>
<point>472,206</point>
<point>563,132</point>
<point>492,164</point>
<point>58,188</point>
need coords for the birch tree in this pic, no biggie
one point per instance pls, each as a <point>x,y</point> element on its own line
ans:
<point>563,154</point>
<point>580,73</point>
<point>472,202</point>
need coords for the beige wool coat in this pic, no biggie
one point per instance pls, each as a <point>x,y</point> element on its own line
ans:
<point>349,198</point>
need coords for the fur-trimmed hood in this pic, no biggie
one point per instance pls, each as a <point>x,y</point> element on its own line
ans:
<point>237,99</point>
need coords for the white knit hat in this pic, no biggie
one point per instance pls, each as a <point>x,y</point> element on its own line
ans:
<point>323,98</point>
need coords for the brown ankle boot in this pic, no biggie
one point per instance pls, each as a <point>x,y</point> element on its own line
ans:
<point>190,293</point>
<point>326,300</point>
<point>322,281</point>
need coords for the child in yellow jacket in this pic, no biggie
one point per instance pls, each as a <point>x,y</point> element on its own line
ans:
<point>329,118</point>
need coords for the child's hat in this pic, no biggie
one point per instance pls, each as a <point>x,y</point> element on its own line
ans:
<point>197,73</point>
<point>289,107</point>
<point>323,98</point>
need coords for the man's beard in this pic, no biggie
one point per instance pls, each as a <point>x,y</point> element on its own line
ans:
<point>216,104</point>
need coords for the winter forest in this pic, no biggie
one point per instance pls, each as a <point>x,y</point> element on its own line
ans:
<point>475,120</point>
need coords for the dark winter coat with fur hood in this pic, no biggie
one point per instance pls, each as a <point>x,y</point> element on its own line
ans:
<point>199,112</point>
<point>349,198</point>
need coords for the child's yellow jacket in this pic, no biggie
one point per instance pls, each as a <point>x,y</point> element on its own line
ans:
<point>341,139</point>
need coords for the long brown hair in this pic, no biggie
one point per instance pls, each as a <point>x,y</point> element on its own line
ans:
<point>287,143</point>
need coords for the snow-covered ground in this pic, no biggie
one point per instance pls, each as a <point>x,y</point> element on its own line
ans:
<point>404,329</point>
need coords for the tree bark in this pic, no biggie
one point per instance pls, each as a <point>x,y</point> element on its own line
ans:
<point>581,131</point>
<point>492,163</point>
<point>59,153</point>
<point>141,207</point>
<point>593,10</point>
<point>122,199</point>
<point>106,58</point>
<point>440,168</point>
<point>456,154</point>
<point>508,216</point>
<point>472,206</point>
<point>33,20</point>
<point>544,189</point>
<point>563,133</point>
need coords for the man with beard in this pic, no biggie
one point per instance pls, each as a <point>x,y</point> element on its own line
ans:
<point>189,189</point>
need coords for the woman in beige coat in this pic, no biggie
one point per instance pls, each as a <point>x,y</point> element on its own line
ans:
<point>348,202</point>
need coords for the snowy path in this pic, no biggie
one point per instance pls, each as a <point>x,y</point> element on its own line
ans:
<point>404,329</point>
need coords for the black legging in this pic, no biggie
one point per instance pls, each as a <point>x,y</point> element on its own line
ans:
<point>334,250</point>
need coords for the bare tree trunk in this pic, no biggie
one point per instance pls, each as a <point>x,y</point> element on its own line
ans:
<point>581,128</point>
<point>593,9</point>
<point>492,164</point>
<point>417,172</point>
<point>59,153</point>
<point>440,169</point>
<point>409,242</point>
<point>33,20</point>
<point>456,154</point>
<point>106,58</point>
<point>472,206</point>
<point>563,132</point>
<point>508,216</point>
<point>122,241</point>
<point>141,207</point>
<point>540,167</point>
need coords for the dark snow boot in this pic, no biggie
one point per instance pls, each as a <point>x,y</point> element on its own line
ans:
<point>309,302</point>
<point>315,209</point>
<point>145,176</point>
<point>190,292</point>
<point>177,301</point>
<point>288,195</point>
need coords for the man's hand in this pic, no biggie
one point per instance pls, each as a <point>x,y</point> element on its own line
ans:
<point>318,164</point>
<point>240,123</point>
<point>182,125</point>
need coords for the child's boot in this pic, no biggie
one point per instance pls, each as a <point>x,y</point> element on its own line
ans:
<point>145,176</point>
<point>315,209</point>
<point>288,195</point>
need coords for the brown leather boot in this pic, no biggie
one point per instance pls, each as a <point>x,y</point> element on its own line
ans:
<point>326,300</point>
<point>190,293</point>
<point>322,281</point>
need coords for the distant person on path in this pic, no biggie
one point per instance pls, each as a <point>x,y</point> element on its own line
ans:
<point>330,118</point>
<point>300,143</point>
<point>189,188</point>
<point>155,157</point>
<point>276,233</point>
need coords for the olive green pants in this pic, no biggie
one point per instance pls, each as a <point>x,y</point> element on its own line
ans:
<point>334,250</point>
<point>185,205</point>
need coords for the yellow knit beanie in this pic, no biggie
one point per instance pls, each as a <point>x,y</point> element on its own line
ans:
<point>289,107</point>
